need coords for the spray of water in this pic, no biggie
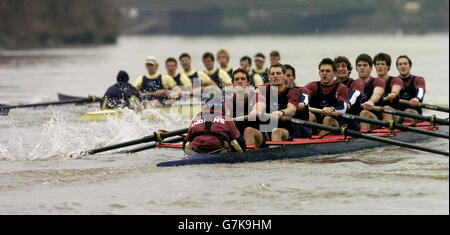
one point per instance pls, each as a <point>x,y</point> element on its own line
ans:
<point>60,134</point>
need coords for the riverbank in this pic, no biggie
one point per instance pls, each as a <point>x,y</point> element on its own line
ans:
<point>54,23</point>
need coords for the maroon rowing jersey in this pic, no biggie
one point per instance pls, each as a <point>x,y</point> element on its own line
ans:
<point>354,85</point>
<point>319,94</point>
<point>369,86</point>
<point>220,125</point>
<point>413,87</point>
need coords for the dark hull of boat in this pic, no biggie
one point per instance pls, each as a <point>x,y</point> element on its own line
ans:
<point>295,151</point>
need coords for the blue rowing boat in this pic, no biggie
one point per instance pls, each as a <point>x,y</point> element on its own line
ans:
<point>301,148</point>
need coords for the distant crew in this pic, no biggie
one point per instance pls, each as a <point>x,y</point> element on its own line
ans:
<point>275,57</point>
<point>260,67</point>
<point>220,77</point>
<point>122,94</point>
<point>198,79</point>
<point>413,86</point>
<point>254,78</point>
<point>223,58</point>
<point>393,85</point>
<point>156,88</point>
<point>180,78</point>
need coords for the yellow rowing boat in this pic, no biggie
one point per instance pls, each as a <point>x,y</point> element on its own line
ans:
<point>184,110</point>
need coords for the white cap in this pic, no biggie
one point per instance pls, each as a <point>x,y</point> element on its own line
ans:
<point>151,60</point>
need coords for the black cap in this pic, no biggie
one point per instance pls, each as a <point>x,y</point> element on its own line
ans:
<point>122,77</point>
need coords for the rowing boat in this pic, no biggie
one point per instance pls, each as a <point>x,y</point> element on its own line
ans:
<point>302,147</point>
<point>183,110</point>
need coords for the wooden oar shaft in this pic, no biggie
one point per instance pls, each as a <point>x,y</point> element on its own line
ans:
<point>389,125</point>
<point>427,106</point>
<point>411,115</point>
<point>341,131</point>
<point>145,139</point>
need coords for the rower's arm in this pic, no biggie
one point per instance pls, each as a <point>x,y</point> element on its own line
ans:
<point>290,110</point>
<point>377,94</point>
<point>303,102</point>
<point>258,80</point>
<point>175,93</point>
<point>396,89</point>
<point>138,83</point>
<point>225,78</point>
<point>259,108</point>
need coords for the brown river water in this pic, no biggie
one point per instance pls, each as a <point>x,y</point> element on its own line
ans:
<point>37,178</point>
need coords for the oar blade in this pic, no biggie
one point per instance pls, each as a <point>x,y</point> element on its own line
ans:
<point>4,109</point>
<point>64,97</point>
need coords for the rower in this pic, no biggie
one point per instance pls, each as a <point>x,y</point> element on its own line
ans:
<point>355,89</point>
<point>413,86</point>
<point>245,101</point>
<point>393,87</point>
<point>260,68</point>
<point>329,95</point>
<point>223,57</point>
<point>373,89</point>
<point>211,131</point>
<point>157,89</point>
<point>198,79</point>
<point>290,76</point>
<point>122,95</point>
<point>274,57</point>
<point>220,77</point>
<point>255,79</point>
<point>180,78</point>
<point>298,131</point>
<point>280,101</point>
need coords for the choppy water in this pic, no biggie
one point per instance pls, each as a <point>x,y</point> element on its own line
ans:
<point>36,178</point>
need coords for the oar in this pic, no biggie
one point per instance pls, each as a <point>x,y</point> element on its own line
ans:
<point>433,119</point>
<point>390,125</point>
<point>152,145</point>
<point>64,97</point>
<point>4,109</point>
<point>158,136</point>
<point>345,131</point>
<point>427,106</point>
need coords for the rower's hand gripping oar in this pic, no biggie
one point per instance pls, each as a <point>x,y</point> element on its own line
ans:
<point>4,109</point>
<point>432,119</point>
<point>158,136</point>
<point>390,125</point>
<point>345,131</point>
<point>426,106</point>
